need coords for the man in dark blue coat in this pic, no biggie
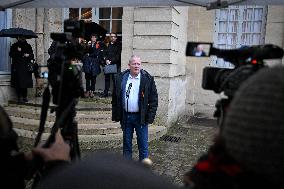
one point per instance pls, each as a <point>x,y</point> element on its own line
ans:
<point>134,104</point>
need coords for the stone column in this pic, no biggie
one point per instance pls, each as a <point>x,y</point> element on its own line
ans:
<point>158,35</point>
<point>275,28</point>
<point>39,29</point>
<point>53,23</point>
<point>25,18</point>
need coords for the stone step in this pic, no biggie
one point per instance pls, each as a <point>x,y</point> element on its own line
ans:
<point>95,128</point>
<point>83,129</point>
<point>98,141</point>
<point>82,116</point>
<point>81,106</point>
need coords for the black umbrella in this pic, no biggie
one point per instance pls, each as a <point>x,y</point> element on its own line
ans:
<point>18,32</point>
<point>94,28</point>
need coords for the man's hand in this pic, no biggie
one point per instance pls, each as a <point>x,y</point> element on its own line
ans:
<point>59,150</point>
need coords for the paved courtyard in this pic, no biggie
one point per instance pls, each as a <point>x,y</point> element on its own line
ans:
<point>178,150</point>
<point>174,154</point>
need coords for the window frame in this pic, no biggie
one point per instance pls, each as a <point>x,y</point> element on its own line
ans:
<point>95,16</point>
<point>239,32</point>
<point>7,22</point>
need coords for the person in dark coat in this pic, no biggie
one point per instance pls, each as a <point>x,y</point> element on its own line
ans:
<point>91,64</point>
<point>21,76</point>
<point>112,56</point>
<point>134,104</point>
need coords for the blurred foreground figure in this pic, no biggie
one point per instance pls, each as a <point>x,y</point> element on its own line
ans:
<point>106,171</point>
<point>249,153</point>
<point>16,166</point>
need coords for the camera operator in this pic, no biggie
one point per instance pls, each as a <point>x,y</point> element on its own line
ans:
<point>249,151</point>
<point>16,165</point>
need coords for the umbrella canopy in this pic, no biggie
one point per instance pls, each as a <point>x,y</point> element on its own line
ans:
<point>94,28</point>
<point>17,32</point>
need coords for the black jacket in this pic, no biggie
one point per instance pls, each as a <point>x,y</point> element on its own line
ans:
<point>21,77</point>
<point>148,97</point>
<point>92,62</point>
<point>113,53</point>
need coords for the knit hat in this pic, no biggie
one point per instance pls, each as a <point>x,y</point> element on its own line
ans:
<point>254,127</point>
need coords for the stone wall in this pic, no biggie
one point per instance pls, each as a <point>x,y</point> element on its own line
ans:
<point>158,36</point>
<point>6,93</point>
<point>275,28</point>
<point>52,22</point>
<point>199,102</point>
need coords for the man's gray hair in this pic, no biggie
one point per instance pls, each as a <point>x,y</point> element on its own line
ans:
<point>132,57</point>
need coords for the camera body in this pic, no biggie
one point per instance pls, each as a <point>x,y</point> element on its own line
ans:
<point>228,80</point>
<point>246,60</point>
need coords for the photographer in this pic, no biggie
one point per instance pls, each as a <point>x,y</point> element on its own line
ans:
<point>16,166</point>
<point>249,152</point>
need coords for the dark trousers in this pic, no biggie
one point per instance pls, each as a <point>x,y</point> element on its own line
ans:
<point>107,82</point>
<point>90,82</point>
<point>133,122</point>
<point>22,92</point>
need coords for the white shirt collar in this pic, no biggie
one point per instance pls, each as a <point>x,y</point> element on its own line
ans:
<point>137,77</point>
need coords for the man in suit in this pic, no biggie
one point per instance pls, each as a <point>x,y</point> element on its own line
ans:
<point>134,104</point>
<point>112,56</point>
<point>198,51</point>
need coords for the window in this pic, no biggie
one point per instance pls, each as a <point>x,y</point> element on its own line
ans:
<point>5,42</point>
<point>238,26</point>
<point>110,18</point>
<point>81,14</point>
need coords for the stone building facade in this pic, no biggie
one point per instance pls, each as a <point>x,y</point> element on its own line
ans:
<point>159,35</point>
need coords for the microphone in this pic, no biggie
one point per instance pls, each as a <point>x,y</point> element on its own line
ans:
<point>128,90</point>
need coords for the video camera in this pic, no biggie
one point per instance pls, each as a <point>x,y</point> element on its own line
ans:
<point>247,60</point>
<point>63,64</point>
<point>65,78</point>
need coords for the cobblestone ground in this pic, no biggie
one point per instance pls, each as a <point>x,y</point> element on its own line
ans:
<point>173,159</point>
